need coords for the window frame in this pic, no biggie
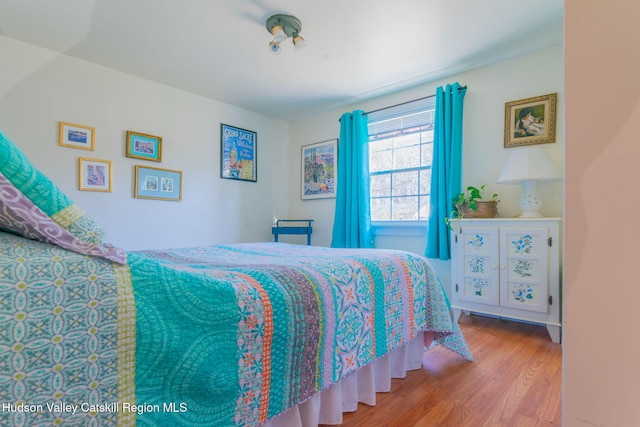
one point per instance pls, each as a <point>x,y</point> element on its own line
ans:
<point>402,227</point>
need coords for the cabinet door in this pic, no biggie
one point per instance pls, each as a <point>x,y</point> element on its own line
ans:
<point>478,273</point>
<point>524,264</point>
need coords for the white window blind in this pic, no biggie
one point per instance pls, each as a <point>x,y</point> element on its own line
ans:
<point>404,118</point>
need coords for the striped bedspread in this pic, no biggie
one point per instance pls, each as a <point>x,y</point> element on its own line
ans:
<point>211,336</point>
<point>238,334</point>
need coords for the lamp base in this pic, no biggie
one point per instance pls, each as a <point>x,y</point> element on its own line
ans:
<point>530,201</point>
<point>530,214</point>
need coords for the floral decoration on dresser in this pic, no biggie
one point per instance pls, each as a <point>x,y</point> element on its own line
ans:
<point>522,292</point>
<point>524,245</point>
<point>523,268</point>
<point>476,264</point>
<point>480,285</point>
<point>477,242</point>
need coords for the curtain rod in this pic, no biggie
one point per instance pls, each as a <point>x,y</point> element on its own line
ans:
<point>407,102</point>
<point>399,104</point>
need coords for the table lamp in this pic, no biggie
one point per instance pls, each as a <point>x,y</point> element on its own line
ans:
<point>528,166</point>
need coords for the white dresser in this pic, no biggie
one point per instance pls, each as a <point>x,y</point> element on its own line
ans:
<point>508,268</point>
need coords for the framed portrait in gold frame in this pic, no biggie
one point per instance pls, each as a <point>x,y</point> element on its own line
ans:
<point>530,121</point>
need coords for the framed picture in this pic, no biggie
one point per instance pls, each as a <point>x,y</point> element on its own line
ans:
<point>238,150</point>
<point>94,175</point>
<point>76,136</point>
<point>530,121</point>
<point>157,184</point>
<point>143,146</point>
<point>319,170</point>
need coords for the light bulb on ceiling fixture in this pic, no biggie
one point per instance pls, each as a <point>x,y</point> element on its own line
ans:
<point>278,34</point>
<point>298,42</point>
<point>274,46</point>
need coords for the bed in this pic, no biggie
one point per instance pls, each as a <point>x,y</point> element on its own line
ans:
<point>226,335</point>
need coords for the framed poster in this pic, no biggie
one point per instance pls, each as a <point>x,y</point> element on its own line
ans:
<point>144,146</point>
<point>238,150</point>
<point>76,136</point>
<point>157,184</point>
<point>94,175</point>
<point>319,170</point>
<point>530,121</point>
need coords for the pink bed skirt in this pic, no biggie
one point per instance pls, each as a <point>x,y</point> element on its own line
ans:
<point>328,406</point>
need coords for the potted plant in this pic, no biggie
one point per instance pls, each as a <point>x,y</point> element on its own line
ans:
<point>473,204</point>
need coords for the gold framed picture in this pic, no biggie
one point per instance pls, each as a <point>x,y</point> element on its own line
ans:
<point>94,175</point>
<point>530,121</point>
<point>76,136</point>
<point>143,146</point>
<point>157,183</point>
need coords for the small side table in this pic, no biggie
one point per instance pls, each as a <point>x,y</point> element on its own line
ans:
<point>284,226</point>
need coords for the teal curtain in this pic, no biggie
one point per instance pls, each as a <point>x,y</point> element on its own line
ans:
<point>352,221</point>
<point>446,172</point>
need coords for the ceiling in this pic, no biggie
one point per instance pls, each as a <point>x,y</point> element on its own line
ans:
<point>355,50</point>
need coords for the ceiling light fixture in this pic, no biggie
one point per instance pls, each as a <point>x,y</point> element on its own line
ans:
<point>282,26</point>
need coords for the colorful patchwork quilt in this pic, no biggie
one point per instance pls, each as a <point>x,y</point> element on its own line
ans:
<point>228,335</point>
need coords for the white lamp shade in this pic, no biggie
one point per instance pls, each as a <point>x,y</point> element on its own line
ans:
<point>527,164</point>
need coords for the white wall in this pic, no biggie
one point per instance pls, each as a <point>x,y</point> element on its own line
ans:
<point>602,284</point>
<point>488,89</point>
<point>39,88</point>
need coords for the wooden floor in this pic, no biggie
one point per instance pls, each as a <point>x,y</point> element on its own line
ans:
<point>515,380</point>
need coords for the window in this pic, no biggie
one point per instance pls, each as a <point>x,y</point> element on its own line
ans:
<point>400,156</point>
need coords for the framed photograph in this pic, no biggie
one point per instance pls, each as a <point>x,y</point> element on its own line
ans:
<point>76,136</point>
<point>530,121</point>
<point>157,184</point>
<point>94,175</point>
<point>238,151</point>
<point>143,146</point>
<point>319,170</point>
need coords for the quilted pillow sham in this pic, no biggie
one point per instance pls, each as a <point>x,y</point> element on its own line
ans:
<point>34,207</point>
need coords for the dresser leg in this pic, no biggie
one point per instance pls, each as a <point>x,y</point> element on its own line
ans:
<point>554,332</point>
<point>456,314</point>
